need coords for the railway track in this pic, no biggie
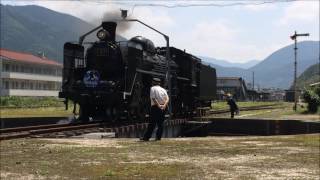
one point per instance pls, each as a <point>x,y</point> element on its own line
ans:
<point>33,131</point>
<point>68,130</point>
<point>252,108</point>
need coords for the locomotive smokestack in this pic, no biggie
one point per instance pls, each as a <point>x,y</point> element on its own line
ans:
<point>111,28</point>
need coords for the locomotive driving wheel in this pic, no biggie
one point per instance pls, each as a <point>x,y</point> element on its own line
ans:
<point>84,112</point>
<point>142,109</point>
<point>113,113</point>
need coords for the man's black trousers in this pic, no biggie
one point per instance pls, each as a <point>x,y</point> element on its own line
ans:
<point>156,118</point>
<point>232,113</point>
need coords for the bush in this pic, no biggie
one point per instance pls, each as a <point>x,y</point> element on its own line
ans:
<point>317,91</point>
<point>313,100</point>
<point>25,102</point>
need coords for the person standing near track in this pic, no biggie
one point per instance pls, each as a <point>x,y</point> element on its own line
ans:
<point>159,101</point>
<point>232,104</point>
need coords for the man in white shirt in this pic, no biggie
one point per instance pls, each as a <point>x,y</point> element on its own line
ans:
<point>159,101</point>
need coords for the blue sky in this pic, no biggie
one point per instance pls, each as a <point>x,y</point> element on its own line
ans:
<point>236,33</point>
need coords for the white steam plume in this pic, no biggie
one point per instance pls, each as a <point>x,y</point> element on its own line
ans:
<point>115,15</point>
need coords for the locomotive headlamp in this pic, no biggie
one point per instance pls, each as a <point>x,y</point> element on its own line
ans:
<point>102,34</point>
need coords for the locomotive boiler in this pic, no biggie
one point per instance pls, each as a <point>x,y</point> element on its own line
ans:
<point>112,79</point>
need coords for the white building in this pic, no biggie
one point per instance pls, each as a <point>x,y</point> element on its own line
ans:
<point>24,74</point>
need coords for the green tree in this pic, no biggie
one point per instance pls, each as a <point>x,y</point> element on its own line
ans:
<point>313,99</point>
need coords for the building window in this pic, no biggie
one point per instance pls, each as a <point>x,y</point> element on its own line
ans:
<point>22,85</point>
<point>6,68</point>
<point>5,84</point>
<point>22,68</point>
<point>59,72</point>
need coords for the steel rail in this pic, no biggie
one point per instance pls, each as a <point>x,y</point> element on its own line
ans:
<point>42,129</point>
<point>244,109</point>
<point>27,128</point>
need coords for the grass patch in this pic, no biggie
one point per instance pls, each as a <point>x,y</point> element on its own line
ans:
<point>35,112</point>
<point>282,111</point>
<point>223,104</point>
<point>69,161</point>
<point>13,106</point>
<point>27,102</point>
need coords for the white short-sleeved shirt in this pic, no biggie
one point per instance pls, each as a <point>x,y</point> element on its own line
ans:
<point>158,93</point>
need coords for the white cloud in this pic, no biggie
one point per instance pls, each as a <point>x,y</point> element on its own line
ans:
<point>301,12</point>
<point>218,30</point>
<point>222,40</point>
<point>261,7</point>
<point>159,20</point>
<point>155,17</point>
<point>216,39</point>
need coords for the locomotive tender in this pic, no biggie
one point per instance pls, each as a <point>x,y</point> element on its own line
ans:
<point>112,79</point>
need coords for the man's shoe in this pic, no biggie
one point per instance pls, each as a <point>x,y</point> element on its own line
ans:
<point>144,139</point>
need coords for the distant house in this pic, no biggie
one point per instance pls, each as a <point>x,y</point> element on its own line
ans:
<point>233,85</point>
<point>25,74</point>
<point>253,94</point>
<point>267,94</point>
<point>277,95</point>
<point>317,84</point>
<point>289,95</point>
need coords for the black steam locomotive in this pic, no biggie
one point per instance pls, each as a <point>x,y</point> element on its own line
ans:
<point>112,79</point>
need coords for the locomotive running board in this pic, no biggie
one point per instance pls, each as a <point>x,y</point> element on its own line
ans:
<point>159,74</point>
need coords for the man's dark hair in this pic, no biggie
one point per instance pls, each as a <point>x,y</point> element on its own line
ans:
<point>156,81</point>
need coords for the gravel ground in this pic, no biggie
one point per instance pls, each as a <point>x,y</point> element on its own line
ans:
<point>247,157</point>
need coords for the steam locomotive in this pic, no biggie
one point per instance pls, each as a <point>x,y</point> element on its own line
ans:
<point>112,79</point>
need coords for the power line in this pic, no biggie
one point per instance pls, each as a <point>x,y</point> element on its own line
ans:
<point>215,4</point>
<point>178,4</point>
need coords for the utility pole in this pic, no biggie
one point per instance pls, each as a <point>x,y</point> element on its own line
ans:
<point>252,85</point>
<point>294,37</point>
<point>252,80</point>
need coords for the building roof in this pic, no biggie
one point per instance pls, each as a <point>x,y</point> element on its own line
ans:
<point>229,78</point>
<point>27,58</point>
<point>315,84</point>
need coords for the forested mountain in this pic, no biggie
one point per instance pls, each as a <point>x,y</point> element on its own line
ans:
<point>276,70</point>
<point>309,76</point>
<point>36,29</point>
<point>224,63</point>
